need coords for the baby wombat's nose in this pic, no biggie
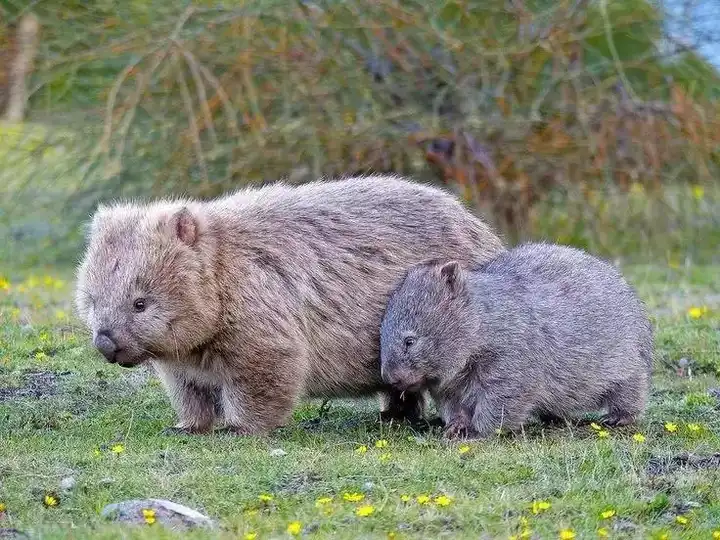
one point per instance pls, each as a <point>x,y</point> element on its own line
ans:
<point>105,344</point>
<point>398,377</point>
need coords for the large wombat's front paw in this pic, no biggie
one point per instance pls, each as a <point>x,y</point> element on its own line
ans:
<point>238,431</point>
<point>183,430</point>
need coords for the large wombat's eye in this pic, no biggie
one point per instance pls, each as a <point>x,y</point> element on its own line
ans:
<point>139,305</point>
<point>408,342</point>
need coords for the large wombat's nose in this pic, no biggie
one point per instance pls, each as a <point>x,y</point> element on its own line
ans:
<point>105,344</point>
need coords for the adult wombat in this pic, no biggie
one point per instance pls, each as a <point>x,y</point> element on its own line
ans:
<point>246,303</point>
<point>540,329</point>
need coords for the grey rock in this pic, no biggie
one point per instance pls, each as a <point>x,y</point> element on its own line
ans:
<point>170,514</point>
<point>277,452</point>
<point>68,483</point>
<point>12,534</point>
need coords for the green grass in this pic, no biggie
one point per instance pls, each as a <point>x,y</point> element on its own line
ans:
<point>84,407</point>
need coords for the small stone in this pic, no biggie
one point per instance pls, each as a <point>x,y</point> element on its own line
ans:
<point>368,486</point>
<point>172,515</point>
<point>12,534</point>
<point>67,483</point>
<point>107,481</point>
<point>277,452</point>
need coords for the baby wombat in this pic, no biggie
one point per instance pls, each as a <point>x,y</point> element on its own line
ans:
<point>540,329</point>
<point>246,303</point>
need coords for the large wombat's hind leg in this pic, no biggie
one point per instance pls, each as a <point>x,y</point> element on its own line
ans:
<point>626,401</point>
<point>397,406</point>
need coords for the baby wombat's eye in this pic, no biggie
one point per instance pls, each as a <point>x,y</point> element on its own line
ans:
<point>139,305</point>
<point>408,342</point>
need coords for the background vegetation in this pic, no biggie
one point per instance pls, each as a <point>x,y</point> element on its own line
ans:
<point>520,107</point>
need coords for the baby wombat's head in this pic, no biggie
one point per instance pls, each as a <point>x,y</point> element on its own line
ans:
<point>423,332</point>
<point>145,287</point>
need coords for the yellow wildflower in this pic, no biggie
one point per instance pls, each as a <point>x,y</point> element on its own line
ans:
<point>443,500</point>
<point>385,457</point>
<point>382,443</point>
<point>294,528</point>
<point>698,192</point>
<point>322,501</point>
<point>404,498</point>
<point>149,515</point>
<point>40,355</point>
<point>525,522</point>
<point>391,535</point>
<point>4,284</point>
<point>607,514</point>
<point>681,520</point>
<point>567,534</point>
<point>540,506</point>
<point>695,428</point>
<point>50,500</point>
<point>525,533</point>
<point>58,284</point>
<point>117,449</point>
<point>48,280</point>
<point>639,438</point>
<point>32,282</point>
<point>595,426</point>
<point>697,312</point>
<point>716,535</point>
<point>3,507</point>
<point>670,427</point>
<point>423,499</point>
<point>60,315</point>
<point>602,532</point>
<point>464,449</point>
<point>353,497</point>
<point>265,497</point>
<point>361,449</point>
<point>250,536</point>
<point>365,510</point>
<point>251,512</point>
<point>603,434</point>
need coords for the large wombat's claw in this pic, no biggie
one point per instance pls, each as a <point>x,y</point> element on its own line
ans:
<point>176,430</point>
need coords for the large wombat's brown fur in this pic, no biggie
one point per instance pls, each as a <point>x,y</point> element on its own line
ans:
<point>246,303</point>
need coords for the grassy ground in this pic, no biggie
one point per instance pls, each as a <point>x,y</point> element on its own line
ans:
<point>65,413</point>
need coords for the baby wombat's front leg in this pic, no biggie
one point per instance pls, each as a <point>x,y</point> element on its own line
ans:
<point>500,408</point>
<point>193,403</point>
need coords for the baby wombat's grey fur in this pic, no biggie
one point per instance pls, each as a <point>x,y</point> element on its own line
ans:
<point>246,303</point>
<point>540,329</point>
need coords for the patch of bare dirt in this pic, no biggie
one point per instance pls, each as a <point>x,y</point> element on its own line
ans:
<point>35,384</point>
<point>658,466</point>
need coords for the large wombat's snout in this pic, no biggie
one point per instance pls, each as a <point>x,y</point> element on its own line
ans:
<point>106,345</point>
<point>401,378</point>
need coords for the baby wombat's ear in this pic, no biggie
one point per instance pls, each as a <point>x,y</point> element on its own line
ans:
<point>185,225</point>
<point>452,275</point>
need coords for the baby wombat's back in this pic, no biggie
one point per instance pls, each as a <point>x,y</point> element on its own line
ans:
<point>571,316</point>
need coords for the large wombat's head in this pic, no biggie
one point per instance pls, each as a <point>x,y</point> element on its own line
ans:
<point>145,287</point>
<point>423,335</point>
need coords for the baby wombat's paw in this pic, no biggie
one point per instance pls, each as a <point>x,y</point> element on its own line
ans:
<point>617,420</point>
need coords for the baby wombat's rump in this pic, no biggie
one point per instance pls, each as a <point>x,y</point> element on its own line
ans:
<point>540,329</point>
<point>246,303</point>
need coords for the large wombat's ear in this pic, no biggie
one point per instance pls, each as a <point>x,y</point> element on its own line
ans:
<point>452,276</point>
<point>185,226</point>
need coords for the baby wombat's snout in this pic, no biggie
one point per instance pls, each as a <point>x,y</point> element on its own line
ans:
<point>401,377</point>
